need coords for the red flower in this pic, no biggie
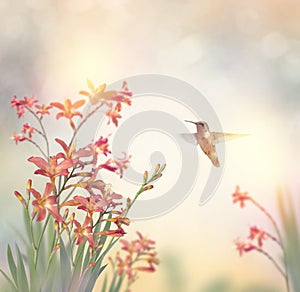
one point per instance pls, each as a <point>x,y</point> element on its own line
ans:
<point>240,197</point>
<point>259,234</point>
<point>51,169</point>
<point>84,230</point>
<point>15,103</point>
<point>19,138</point>
<point>101,146</point>
<point>243,246</point>
<point>28,129</point>
<point>113,233</point>
<point>45,202</point>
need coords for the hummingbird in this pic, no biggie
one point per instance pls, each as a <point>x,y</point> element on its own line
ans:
<point>207,140</point>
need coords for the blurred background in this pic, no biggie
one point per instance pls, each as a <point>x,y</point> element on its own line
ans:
<point>244,56</point>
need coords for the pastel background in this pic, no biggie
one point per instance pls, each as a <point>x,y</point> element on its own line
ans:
<point>244,56</point>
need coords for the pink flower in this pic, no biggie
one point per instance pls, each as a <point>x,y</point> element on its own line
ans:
<point>45,202</point>
<point>259,234</point>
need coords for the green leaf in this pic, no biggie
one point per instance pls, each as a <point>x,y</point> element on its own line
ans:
<point>12,264</point>
<point>113,282</point>
<point>291,236</point>
<point>119,284</point>
<point>51,236</point>
<point>21,273</point>
<point>10,282</point>
<point>77,267</point>
<point>65,266</point>
<point>96,271</point>
<point>104,284</point>
<point>51,281</point>
<point>27,224</point>
<point>32,270</point>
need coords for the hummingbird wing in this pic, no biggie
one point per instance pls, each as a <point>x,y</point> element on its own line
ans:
<point>190,138</point>
<point>217,137</point>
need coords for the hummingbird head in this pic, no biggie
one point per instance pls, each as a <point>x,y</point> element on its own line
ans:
<point>200,124</point>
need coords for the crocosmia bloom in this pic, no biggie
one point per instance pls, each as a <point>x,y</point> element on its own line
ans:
<point>84,230</point>
<point>45,202</point>
<point>51,169</point>
<point>240,197</point>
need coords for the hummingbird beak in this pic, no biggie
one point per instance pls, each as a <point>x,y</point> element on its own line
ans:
<point>190,121</point>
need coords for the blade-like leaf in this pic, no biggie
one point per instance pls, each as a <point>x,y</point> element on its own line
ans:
<point>9,281</point>
<point>113,283</point>
<point>12,264</point>
<point>27,225</point>
<point>93,278</point>
<point>104,284</point>
<point>77,267</point>
<point>119,283</point>
<point>21,273</point>
<point>65,266</point>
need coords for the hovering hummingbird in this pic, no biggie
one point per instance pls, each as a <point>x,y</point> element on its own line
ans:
<point>207,140</point>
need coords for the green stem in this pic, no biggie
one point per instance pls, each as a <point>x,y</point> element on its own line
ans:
<point>280,242</point>
<point>40,240</point>
<point>31,229</point>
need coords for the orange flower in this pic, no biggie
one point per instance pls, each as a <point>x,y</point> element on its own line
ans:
<point>113,115</point>
<point>43,110</point>
<point>51,169</point>
<point>29,102</point>
<point>84,230</point>
<point>240,197</point>
<point>45,202</point>
<point>99,93</point>
<point>68,110</point>
<point>90,204</point>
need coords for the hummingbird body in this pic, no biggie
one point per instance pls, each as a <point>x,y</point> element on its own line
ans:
<point>207,140</point>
